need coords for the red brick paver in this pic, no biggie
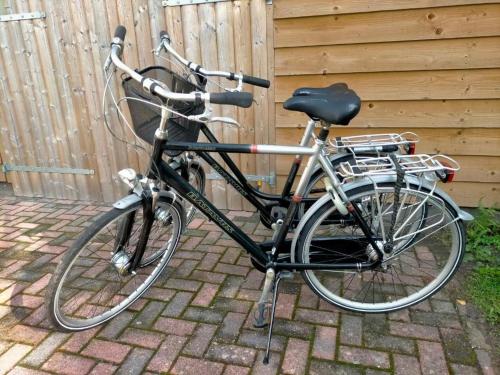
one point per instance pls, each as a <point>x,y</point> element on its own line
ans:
<point>197,319</point>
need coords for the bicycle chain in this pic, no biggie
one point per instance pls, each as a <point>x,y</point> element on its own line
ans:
<point>400,174</point>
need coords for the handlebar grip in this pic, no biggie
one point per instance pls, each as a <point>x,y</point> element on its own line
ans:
<point>240,99</point>
<point>120,32</point>
<point>256,81</point>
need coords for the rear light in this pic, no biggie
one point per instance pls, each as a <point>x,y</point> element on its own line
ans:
<point>446,175</point>
<point>411,148</point>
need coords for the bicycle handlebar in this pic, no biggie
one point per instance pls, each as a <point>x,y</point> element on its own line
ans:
<point>240,99</point>
<point>256,81</point>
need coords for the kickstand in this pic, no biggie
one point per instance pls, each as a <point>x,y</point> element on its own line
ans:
<point>271,318</point>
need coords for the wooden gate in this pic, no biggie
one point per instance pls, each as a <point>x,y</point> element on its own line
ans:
<point>51,85</point>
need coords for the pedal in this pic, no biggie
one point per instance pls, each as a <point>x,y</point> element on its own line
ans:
<point>261,315</point>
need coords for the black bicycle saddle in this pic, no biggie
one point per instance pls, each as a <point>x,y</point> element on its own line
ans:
<point>336,104</point>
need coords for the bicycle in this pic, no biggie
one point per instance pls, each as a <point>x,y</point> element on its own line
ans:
<point>371,267</point>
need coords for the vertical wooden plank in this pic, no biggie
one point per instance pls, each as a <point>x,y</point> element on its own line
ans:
<point>259,60</point>
<point>209,59</point>
<point>157,23</point>
<point>110,153</point>
<point>173,17</point>
<point>243,59</point>
<point>2,175</point>
<point>47,101</point>
<point>130,55</point>
<point>192,52</point>
<point>225,49</point>
<point>270,93</point>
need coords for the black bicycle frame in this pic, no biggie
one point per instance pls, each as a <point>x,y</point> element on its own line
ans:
<point>186,191</point>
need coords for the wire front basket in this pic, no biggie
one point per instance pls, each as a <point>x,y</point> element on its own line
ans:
<point>146,118</point>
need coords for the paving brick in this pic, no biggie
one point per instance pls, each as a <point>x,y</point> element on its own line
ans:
<point>231,254</point>
<point>389,343</point>
<point>45,349</point>
<point>285,306</point>
<point>436,319</point>
<point>205,295</point>
<point>210,277</point>
<point>232,269</point>
<point>317,317</point>
<point>457,346</point>
<point>202,314</point>
<point>106,350</point>
<point>271,368</point>
<point>103,369</point>
<point>258,340</point>
<point>432,360</point>
<point>166,355</point>
<point>188,366</point>
<point>20,370</point>
<point>236,370</point>
<point>135,362</point>
<point>175,327</point>
<point>148,315</point>
<point>12,356</point>
<point>200,340</point>
<point>177,304</point>
<point>183,284</point>
<point>406,365</point>
<point>458,369</point>
<point>26,334</point>
<point>351,330</point>
<point>414,330</point>
<point>330,368</point>
<point>39,285</point>
<point>231,326</point>
<point>140,337</point>
<point>26,300</point>
<point>324,343</point>
<point>230,286</point>
<point>485,362</point>
<point>208,262</point>
<point>296,354</point>
<point>116,325</point>
<point>234,354</point>
<point>364,357</point>
<point>68,364</point>
<point>233,305</point>
<point>79,339</point>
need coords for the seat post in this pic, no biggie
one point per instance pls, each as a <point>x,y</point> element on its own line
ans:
<point>325,130</point>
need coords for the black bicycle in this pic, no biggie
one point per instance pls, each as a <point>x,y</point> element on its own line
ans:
<point>362,246</point>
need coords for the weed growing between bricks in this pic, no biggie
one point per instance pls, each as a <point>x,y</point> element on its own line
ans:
<point>198,316</point>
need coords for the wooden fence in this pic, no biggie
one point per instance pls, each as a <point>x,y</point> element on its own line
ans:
<point>432,67</point>
<point>51,85</point>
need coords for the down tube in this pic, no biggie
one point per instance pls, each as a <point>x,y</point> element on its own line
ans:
<point>202,204</point>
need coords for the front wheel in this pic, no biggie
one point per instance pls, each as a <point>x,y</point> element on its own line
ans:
<point>91,284</point>
<point>414,270</point>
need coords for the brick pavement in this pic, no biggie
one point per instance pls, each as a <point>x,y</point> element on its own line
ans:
<point>200,320</point>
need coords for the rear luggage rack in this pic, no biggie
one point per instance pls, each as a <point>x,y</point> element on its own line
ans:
<point>390,142</point>
<point>413,164</point>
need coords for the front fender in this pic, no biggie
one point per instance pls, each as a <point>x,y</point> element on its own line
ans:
<point>465,216</point>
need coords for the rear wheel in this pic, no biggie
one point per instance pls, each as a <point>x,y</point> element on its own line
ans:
<point>415,269</point>
<point>91,284</point>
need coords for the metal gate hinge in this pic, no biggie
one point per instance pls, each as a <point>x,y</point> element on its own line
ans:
<point>27,168</point>
<point>271,179</point>
<point>22,16</point>
<point>173,3</point>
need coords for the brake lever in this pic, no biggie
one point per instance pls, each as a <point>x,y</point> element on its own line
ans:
<point>206,118</point>
<point>239,87</point>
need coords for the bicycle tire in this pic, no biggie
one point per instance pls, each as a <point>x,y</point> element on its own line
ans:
<point>87,269</point>
<point>335,287</point>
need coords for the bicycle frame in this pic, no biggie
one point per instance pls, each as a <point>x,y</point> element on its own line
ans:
<point>257,252</point>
